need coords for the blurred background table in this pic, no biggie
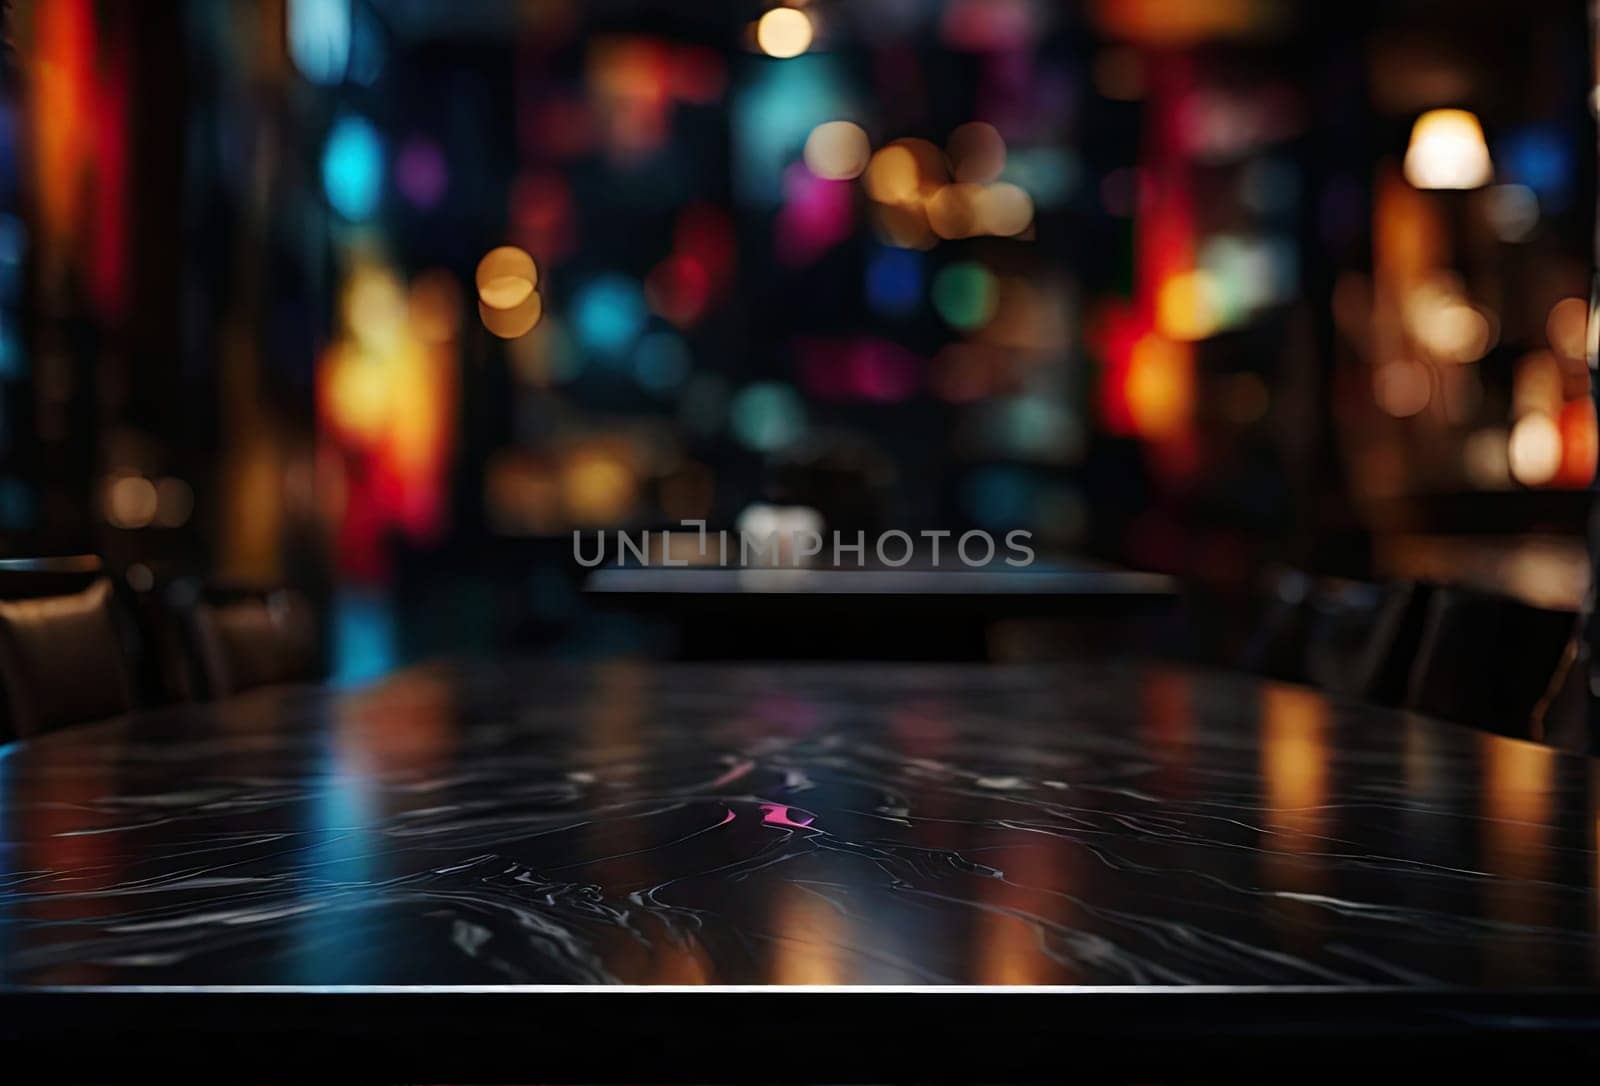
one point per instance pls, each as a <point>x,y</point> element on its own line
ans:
<point>1243,853</point>
<point>877,613</point>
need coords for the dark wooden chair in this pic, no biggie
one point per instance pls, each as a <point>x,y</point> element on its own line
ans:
<point>1489,661</point>
<point>66,648</point>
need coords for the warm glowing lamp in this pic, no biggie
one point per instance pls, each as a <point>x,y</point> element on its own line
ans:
<point>1447,151</point>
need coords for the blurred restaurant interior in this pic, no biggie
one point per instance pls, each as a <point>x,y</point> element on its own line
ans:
<point>334,332</point>
<point>1206,289</point>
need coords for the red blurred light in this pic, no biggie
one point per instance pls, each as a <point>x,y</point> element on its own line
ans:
<point>679,289</point>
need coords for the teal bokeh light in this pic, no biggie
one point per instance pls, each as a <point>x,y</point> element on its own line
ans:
<point>352,168</point>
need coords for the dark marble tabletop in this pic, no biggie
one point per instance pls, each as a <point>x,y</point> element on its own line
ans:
<point>1103,824</point>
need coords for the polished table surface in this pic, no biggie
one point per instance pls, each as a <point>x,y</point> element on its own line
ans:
<point>1099,823</point>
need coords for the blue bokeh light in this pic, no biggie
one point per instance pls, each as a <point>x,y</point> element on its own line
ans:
<point>1540,158</point>
<point>608,313</point>
<point>894,281</point>
<point>352,168</point>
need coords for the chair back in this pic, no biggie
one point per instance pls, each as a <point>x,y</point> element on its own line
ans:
<point>244,637</point>
<point>1489,661</point>
<point>64,647</point>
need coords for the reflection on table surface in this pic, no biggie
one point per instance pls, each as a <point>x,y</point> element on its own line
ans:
<point>500,823</point>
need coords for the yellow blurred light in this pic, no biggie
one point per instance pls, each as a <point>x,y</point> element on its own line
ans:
<point>1402,388</point>
<point>837,150</point>
<point>1457,333</point>
<point>506,277</point>
<point>597,487</point>
<point>784,32</point>
<point>131,501</point>
<point>513,322</point>
<point>904,172</point>
<point>357,393</point>
<point>953,210</point>
<point>1159,388</point>
<point>416,431</point>
<point>1534,451</point>
<point>977,152</point>
<point>1449,327</point>
<point>375,307</point>
<point>1188,306</point>
<point>1447,151</point>
<point>1567,328</point>
<point>1004,210</point>
<point>506,292</point>
<point>892,175</point>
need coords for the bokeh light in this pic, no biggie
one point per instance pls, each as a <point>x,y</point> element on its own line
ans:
<point>1447,151</point>
<point>953,210</point>
<point>965,295</point>
<point>1448,326</point>
<point>130,501</point>
<point>319,34</point>
<point>1567,326</point>
<point>784,32</point>
<point>352,168</point>
<point>1188,306</point>
<point>374,307</point>
<point>1160,386</point>
<point>767,416</point>
<point>598,486</point>
<point>1579,443</point>
<point>894,281</point>
<point>513,321</point>
<point>1402,388</point>
<point>905,171</point>
<point>1003,209</point>
<point>608,313</point>
<point>837,150</point>
<point>508,304</point>
<point>1534,452</point>
<point>505,277</point>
